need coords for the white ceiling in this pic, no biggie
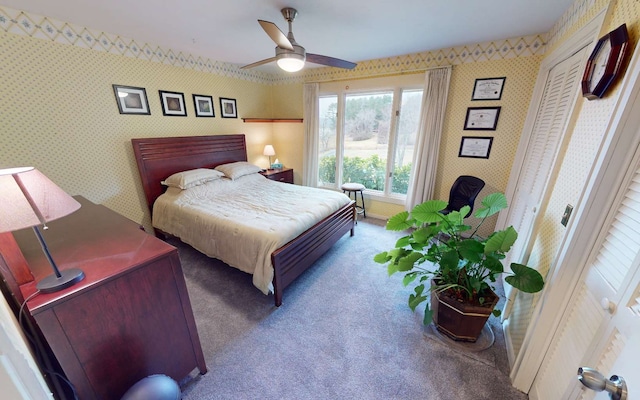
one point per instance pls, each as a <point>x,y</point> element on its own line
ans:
<point>354,30</point>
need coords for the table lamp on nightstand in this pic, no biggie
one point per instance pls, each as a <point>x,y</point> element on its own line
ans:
<point>269,151</point>
<point>29,198</point>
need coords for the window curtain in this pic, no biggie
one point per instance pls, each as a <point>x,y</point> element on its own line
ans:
<point>311,136</point>
<point>425,156</point>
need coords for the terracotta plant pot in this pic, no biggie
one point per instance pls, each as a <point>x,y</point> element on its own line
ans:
<point>459,320</point>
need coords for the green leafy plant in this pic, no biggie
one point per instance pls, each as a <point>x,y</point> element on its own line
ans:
<point>441,255</point>
<point>369,171</point>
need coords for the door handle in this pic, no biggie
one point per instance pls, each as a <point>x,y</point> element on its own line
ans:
<point>594,380</point>
<point>608,305</point>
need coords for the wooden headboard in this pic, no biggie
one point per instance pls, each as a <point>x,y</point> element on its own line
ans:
<point>157,158</point>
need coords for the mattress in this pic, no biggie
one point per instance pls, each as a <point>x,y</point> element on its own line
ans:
<point>242,221</point>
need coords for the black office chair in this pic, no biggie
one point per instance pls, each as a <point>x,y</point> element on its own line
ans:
<point>463,193</point>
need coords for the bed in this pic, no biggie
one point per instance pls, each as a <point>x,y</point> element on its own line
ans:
<point>158,158</point>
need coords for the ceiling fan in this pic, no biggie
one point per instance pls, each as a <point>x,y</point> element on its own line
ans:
<point>290,56</point>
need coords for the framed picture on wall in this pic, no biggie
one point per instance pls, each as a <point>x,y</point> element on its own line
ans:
<point>475,146</point>
<point>203,105</point>
<point>488,89</point>
<point>482,118</point>
<point>172,104</point>
<point>228,108</point>
<point>131,100</point>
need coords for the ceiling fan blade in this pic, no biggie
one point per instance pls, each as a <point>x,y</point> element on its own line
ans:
<point>255,64</point>
<point>276,34</point>
<point>330,61</point>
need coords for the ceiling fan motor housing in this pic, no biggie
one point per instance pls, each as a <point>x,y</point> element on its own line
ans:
<point>289,13</point>
<point>298,52</point>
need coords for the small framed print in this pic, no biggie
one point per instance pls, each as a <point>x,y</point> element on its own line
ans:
<point>482,118</point>
<point>203,105</point>
<point>131,100</point>
<point>488,89</point>
<point>475,147</point>
<point>228,108</point>
<point>172,104</point>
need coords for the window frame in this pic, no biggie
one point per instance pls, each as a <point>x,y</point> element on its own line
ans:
<point>362,88</point>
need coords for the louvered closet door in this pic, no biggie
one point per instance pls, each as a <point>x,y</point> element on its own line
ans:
<point>557,102</point>
<point>603,327</point>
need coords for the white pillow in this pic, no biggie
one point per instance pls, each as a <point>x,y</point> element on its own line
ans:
<point>237,169</point>
<point>192,177</point>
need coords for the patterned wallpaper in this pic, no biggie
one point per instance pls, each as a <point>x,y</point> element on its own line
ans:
<point>66,61</point>
<point>520,76</point>
<point>33,25</point>
<point>579,11</point>
<point>75,141</point>
<point>37,26</point>
<point>60,115</point>
<point>470,54</point>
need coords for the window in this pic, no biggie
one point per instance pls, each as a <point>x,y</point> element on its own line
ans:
<point>368,138</point>
<point>327,144</point>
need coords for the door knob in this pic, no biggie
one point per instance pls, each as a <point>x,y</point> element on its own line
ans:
<point>594,380</point>
<point>608,305</point>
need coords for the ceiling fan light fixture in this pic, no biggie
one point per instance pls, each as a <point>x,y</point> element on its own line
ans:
<point>291,62</point>
<point>290,56</point>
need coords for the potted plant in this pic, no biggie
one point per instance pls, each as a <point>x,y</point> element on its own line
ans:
<point>454,268</point>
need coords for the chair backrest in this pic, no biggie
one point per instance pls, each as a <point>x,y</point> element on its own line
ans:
<point>464,192</point>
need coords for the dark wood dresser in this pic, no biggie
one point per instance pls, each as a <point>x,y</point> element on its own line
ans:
<point>129,318</point>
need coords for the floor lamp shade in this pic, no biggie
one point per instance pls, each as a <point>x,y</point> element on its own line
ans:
<point>29,199</point>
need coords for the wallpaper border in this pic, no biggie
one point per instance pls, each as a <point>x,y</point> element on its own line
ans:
<point>41,27</point>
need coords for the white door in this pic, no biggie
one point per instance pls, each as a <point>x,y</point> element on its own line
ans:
<point>558,98</point>
<point>614,280</point>
<point>602,328</point>
<point>618,350</point>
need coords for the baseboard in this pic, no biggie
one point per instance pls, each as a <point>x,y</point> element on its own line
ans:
<point>533,393</point>
<point>511,355</point>
<point>376,216</point>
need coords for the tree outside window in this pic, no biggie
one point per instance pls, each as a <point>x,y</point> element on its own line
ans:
<point>369,136</point>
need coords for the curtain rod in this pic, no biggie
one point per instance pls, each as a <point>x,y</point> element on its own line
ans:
<point>404,72</point>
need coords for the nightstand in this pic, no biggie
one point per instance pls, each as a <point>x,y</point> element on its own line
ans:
<point>281,175</point>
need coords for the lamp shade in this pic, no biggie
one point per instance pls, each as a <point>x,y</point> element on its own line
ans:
<point>269,150</point>
<point>29,198</point>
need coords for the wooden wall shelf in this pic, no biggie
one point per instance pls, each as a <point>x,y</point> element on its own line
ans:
<point>298,120</point>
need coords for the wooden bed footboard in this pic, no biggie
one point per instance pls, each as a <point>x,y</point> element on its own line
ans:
<point>295,257</point>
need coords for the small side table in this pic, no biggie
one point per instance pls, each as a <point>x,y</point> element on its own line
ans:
<point>281,175</point>
<point>356,188</point>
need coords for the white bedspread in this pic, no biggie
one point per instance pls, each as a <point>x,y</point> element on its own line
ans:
<point>242,222</point>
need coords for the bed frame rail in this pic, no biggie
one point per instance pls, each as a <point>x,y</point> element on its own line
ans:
<point>295,257</point>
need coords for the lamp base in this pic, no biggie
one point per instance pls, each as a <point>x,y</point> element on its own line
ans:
<point>52,283</point>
